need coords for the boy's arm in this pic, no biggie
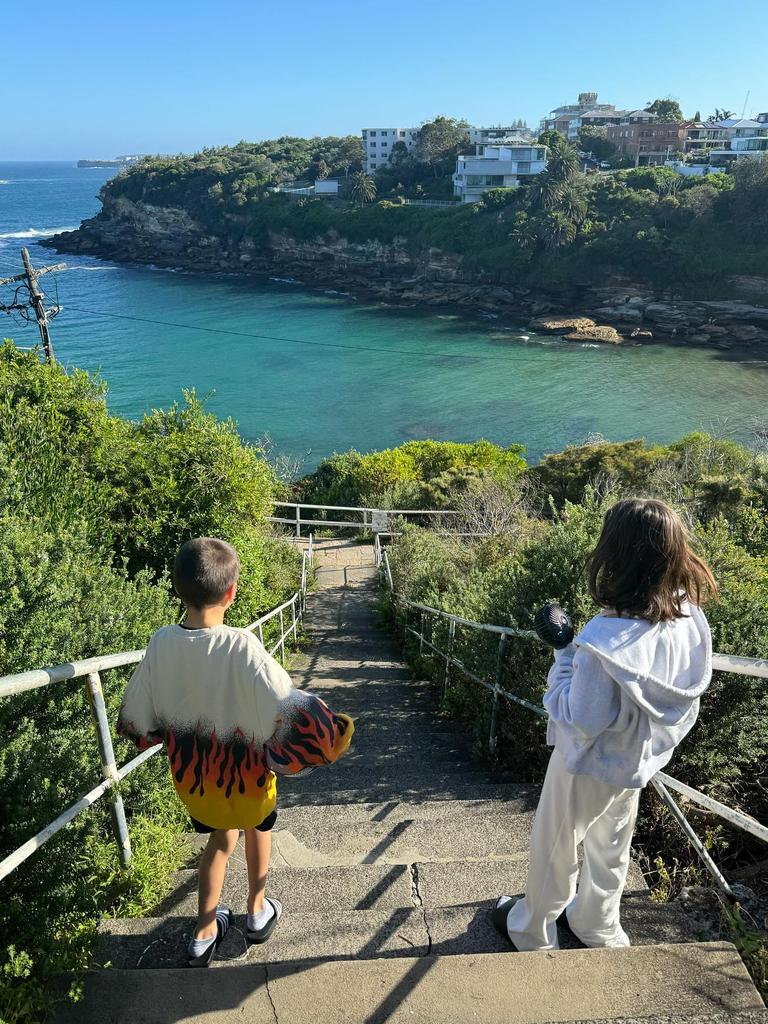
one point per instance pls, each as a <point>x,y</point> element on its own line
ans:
<point>305,732</point>
<point>137,720</point>
<point>580,693</point>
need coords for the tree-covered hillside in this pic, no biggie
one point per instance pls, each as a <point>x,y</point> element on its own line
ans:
<point>564,228</point>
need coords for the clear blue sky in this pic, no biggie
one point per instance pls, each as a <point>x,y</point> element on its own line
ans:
<point>87,79</point>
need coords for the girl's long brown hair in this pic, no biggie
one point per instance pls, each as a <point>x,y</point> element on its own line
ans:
<point>644,565</point>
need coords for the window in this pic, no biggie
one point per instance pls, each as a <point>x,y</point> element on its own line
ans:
<point>373,132</point>
<point>402,135</point>
<point>372,144</point>
<point>384,145</point>
<point>371,163</point>
<point>524,167</point>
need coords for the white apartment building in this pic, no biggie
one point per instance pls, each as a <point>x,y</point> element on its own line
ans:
<point>378,144</point>
<point>496,167</point>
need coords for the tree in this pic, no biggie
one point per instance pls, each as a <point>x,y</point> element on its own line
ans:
<point>666,110</point>
<point>721,114</point>
<point>440,141</point>
<point>551,138</point>
<point>363,188</point>
<point>563,160</point>
<point>594,139</point>
<point>556,230</point>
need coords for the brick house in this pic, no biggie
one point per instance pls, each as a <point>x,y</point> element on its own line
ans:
<point>646,140</point>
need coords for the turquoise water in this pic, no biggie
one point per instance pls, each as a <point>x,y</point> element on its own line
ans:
<point>397,374</point>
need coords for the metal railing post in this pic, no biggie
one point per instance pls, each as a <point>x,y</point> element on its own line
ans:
<point>261,634</point>
<point>282,637</point>
<point>451,636</point>
<point>692,838</point>
<point>108,766</point>
<point>421,634</point>
<point>492,737</point>
<point>295,631</point>
<point>298,520</point>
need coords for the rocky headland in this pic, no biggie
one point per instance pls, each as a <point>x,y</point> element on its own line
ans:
<point>615,312</point>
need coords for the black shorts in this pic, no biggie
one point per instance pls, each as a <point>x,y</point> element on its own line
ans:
<point>266,826</point>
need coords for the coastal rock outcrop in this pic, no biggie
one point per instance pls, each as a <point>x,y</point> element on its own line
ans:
<point>394,272</point>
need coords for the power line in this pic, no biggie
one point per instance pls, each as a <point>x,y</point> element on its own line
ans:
<point>284,340</point>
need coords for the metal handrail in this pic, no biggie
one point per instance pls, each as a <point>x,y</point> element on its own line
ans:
<point>21,682</point>
<point>373,519</point>
<point>662,783</point>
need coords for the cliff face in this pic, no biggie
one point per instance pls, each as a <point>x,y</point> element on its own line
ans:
<point>169,236</point>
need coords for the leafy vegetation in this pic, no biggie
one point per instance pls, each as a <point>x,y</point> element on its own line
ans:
<point>537,554</point>
<point>418,474</point>
<point>93,509</point>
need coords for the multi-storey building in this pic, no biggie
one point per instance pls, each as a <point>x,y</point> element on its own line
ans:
<point>378,143</point>
<point>646,140</point>
<point>496,167</point>
<point>570,118</point>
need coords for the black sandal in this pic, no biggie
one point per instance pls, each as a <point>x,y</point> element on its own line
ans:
<point>259,935</point>
<point>499,916</point>
<point>223,921</point>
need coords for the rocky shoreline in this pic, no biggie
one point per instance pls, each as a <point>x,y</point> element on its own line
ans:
<point>617,312</point>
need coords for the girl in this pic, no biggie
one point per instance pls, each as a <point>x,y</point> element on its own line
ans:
<point>620,698</point>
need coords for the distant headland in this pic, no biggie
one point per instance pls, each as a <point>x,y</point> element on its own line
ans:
<point>118,161</point>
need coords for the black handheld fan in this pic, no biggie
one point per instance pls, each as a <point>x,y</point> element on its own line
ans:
<point>554,626</point>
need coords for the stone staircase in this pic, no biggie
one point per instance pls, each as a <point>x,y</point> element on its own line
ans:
<point>387,865</point>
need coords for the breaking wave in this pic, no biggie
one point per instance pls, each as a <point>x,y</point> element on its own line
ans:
<point>35,232</point>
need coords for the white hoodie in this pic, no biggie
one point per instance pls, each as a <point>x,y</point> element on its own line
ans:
<point>625,693</point>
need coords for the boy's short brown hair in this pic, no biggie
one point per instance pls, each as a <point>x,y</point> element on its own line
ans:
<point>204,570</point>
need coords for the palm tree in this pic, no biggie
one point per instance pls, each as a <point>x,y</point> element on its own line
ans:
<point>721,115</point>
<point>573,203</point>
<point>363,188</point>
<point>563,161</point>
<point>545,190</point>
<point>557,230</point>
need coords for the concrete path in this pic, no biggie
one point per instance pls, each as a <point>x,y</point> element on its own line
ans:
<point>388,865</point>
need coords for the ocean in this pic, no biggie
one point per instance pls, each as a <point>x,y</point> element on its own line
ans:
<point>315,371</point>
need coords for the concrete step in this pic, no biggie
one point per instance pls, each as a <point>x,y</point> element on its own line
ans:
<point>390,791</point>
<point>405,841</point>
<point>327,933</point>
<point>343,887</point>
<point>696,983</point>
<point>370,886</point>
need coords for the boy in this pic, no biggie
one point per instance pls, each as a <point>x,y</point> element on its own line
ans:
<point>229,718</point>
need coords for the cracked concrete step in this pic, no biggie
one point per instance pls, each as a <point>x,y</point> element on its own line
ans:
<point>320,934</point>
<point>697,983</point>
<point>327,933</point>
<point>519,797</point>
<point>370,886</point>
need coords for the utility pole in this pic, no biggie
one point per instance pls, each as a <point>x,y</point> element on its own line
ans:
<point>35,301</point>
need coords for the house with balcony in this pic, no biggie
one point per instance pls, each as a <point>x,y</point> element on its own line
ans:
<point>506,166</point>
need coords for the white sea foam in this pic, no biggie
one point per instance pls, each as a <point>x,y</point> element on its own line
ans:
<point>4,181</point>
<point>35,232</point>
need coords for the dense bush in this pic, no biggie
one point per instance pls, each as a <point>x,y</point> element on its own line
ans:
<point>417,474</point>
<point>93,510</point>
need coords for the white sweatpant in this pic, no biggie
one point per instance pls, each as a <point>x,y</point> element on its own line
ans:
<point>576,809</point>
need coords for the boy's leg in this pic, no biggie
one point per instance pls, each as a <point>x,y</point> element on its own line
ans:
<point>258,849</point>
<point>567,807</point>
<point>594,915</point>
<point>213,865</point>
